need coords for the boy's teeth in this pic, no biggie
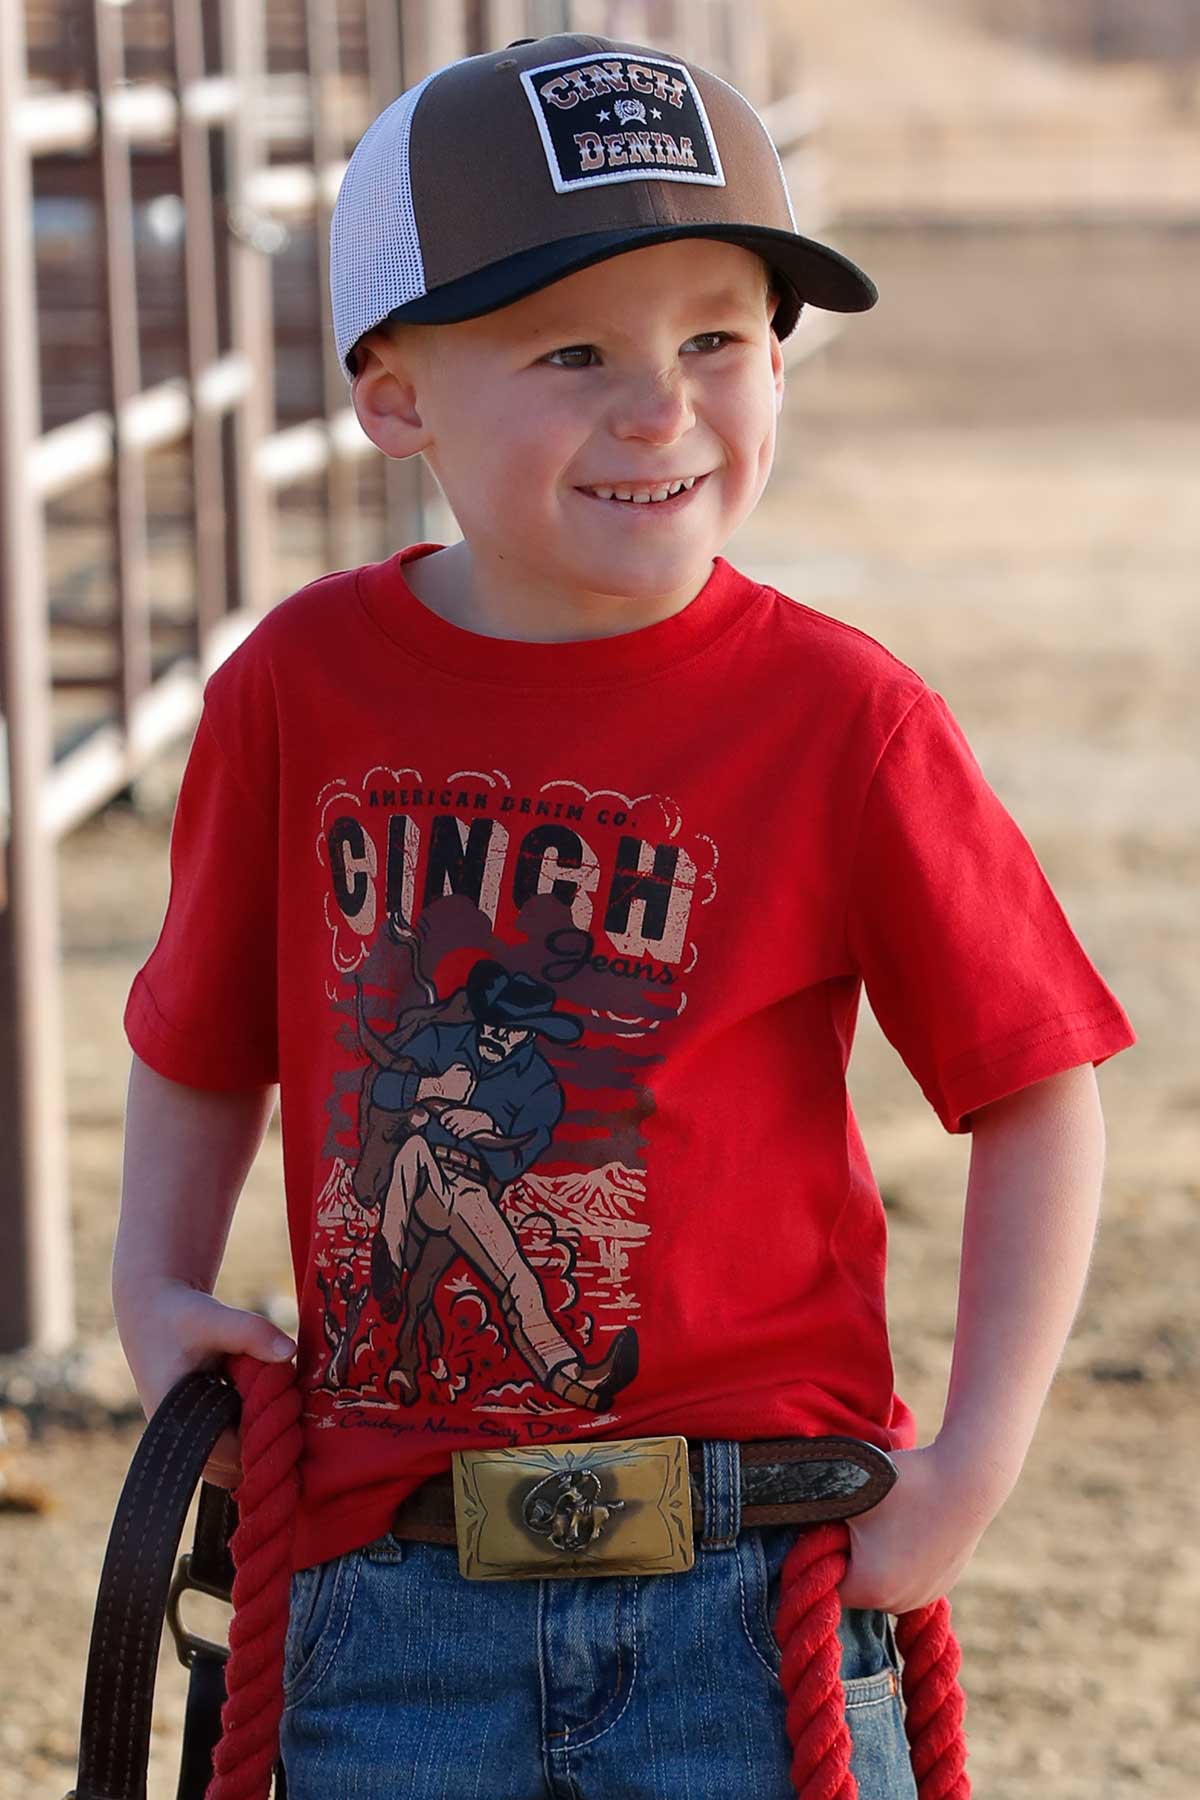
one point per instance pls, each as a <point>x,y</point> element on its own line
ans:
<point>643,496</point>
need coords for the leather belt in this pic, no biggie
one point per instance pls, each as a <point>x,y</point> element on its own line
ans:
<point>783,1481</point>
<point>459,1159</point>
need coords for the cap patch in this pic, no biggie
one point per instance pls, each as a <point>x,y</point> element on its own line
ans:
<point>614,117</point>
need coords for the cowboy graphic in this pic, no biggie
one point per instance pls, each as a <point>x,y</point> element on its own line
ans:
<point>470,1103</point>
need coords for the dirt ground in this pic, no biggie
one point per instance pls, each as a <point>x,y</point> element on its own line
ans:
<point>994,473</point>
<point>964,109</point>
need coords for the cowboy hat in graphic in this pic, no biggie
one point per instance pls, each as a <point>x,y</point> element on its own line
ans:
<point>504,172</point>
<point>518,1001</point>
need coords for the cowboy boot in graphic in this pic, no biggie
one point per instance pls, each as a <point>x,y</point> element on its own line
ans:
<point>591,1385</point>
<point>434,1257</point>
<point>429,1255</point>
<point>385,1278</point>
<point>596,1385</point>
<point>402,1381</point>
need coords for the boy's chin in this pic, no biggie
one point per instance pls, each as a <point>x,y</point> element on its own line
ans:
<point>631,574</point>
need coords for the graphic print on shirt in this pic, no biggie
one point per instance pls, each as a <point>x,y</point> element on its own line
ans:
<point>505,963</point>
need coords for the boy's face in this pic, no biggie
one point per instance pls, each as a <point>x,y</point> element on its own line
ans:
<point>655,367</point>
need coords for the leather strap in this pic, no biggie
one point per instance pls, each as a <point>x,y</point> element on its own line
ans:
<point>209,1569</point>
<point>784,1481</point>
<point>216,1522</point>
<point>201,1726</point>
<point>118,1696</point>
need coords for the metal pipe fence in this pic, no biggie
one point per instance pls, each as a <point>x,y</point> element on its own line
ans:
<point>167,171</point>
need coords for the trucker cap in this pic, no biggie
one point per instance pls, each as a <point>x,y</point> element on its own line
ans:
<point>501,173</point>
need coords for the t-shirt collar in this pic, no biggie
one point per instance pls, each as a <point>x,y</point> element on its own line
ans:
<point>508,662</point>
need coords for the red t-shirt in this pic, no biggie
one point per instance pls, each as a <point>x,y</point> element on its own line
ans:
<point>608,906</point>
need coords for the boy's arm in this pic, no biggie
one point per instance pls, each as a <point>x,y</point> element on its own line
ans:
<point>1033,1197</point>
<point>187,1154</point>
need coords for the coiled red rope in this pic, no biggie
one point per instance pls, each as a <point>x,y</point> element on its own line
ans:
<point>267,1501</point>
<point>806,1627</point>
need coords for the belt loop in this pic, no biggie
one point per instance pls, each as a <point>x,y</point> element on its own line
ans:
<point>722,1494</point>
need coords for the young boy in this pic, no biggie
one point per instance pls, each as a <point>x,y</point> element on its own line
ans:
<point>541,873</point>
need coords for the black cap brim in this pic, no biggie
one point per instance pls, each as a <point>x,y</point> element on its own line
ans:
<point>809,273</point>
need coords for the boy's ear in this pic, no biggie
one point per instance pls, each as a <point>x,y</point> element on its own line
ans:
<point>777,368</point>
<point>385,397</point>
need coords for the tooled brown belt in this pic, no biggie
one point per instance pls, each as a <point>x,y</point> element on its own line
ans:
<point>459,1159</point>
<point>783,1481</point>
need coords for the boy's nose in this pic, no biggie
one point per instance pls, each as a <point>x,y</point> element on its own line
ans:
<point>654,408</point>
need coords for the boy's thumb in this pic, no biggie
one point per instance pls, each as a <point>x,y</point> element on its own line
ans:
<point>252,1335</point>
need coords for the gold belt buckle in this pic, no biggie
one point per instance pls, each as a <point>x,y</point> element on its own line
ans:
<point>619,1508</point>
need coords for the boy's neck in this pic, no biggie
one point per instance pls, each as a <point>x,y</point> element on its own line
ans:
<point>497,599</point>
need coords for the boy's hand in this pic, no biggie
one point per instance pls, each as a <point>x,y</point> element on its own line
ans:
<point>911,1548</point>
<point>174,1329</point>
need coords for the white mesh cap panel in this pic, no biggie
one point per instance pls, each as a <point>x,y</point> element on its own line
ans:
<point>375,258</point>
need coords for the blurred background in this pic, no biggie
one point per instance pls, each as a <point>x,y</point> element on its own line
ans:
<point>994,472</point>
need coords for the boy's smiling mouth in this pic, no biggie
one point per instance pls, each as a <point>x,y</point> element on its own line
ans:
<point>641,494</point>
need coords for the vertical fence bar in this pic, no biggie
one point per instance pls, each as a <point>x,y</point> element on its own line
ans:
<point>695,23</point>
<point>36,1276</point>
<point>433,35</point>
<point>664,25</point>
<point>130,571</point>
<point>200,297</point>
<point>503,20</point>
<point>249,508</point>
<point>548,17</point>
<point>628,20</point>
<point>404,500</point>
<point>341,484</point>
<point>744,58</point>
<point>592,16</point>
<point>384,52</point>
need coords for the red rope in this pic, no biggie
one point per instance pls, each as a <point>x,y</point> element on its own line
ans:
<point>267,1500</point>
<point>806,1627</point>
<point>934,1702</point>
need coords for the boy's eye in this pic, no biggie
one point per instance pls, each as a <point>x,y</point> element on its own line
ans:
<point>586,356</point>
<point>572,356</point>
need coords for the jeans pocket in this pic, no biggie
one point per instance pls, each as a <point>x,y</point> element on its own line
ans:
<point>761,1555</point>
<point>318,1609</point>
<point>879,1759</point>
<point>870,1671</point>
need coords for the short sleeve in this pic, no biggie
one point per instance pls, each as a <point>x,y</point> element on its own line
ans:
<point>202,1010</point>
<point>970,966</point>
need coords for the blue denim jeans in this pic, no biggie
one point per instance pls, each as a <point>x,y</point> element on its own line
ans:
<point>405,1682</point>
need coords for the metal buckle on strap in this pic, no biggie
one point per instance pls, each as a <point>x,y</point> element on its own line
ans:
<point>188,1645</point>
<point>618,1508</point>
